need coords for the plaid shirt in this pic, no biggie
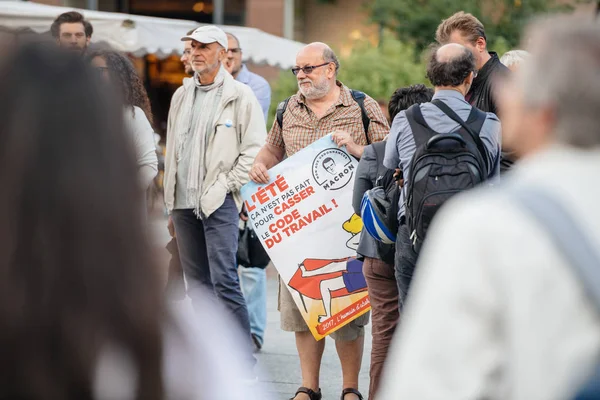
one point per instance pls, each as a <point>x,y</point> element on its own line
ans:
<point>301,127</point>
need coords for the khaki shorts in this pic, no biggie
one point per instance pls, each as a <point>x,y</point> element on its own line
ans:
<point>292,321</point>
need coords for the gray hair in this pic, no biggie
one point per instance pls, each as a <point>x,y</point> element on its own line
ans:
<point>329,56</point>
<point>569,84</point>
<point>514,57</point>
<point>235,37</point>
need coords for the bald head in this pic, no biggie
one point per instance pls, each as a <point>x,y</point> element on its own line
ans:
<point>451,65</point>
<point>319,53</point>
<point>450,52</point>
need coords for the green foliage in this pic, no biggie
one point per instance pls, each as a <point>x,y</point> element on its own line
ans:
<point>377,71</point>
<point>416,21</point>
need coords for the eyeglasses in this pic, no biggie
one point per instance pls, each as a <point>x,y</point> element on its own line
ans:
<point>308,69</point>
<point>235,50</point>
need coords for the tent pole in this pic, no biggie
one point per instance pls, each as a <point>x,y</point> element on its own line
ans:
<point>219,12</point>
<point>92,4</point>
<point>288,19</point>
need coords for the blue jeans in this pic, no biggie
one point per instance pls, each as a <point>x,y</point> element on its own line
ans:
<point>254,288</point>
<point>208,249</point>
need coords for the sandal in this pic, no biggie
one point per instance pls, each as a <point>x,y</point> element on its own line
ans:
<point>353,391</point>
<point>311,393</point>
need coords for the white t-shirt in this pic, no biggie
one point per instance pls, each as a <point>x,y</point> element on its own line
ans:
<point>142,135</point>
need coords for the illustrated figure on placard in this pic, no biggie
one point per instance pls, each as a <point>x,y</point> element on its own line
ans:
<point>325,280</point>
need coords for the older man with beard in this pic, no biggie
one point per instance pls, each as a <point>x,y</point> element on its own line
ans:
<point>322,105</point>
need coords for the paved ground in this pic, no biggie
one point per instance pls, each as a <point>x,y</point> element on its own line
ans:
<point>278,361</point>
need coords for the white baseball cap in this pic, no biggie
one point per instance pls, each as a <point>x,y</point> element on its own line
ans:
<point>208,34</point>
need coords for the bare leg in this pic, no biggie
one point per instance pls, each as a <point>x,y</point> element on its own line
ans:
<point>310,352</point>
<point>327,287</point>
<point>350,353</point>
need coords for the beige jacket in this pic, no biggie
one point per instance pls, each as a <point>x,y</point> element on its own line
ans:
<point>230,150</point>
<point>495,311</point>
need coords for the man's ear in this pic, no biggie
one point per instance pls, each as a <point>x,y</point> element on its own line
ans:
<point>88,40</point>
<point>481,44</point>
<point>469,79</point>
<point>331,70</point>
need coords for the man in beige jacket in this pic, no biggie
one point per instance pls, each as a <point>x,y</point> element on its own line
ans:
<point>497,310</point>
<point>215,129</point>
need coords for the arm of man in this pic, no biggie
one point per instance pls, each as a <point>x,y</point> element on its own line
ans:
<point>363,181</point>
<point>378,130</point>
<point>271,154</point>
<point>253,133</point>
<point>491,136</point>
<point>170,165</point>
<point>448,345</point>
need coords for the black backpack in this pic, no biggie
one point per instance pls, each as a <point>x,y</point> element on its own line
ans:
<point>359,98</point>
<point>385,180</point>
<point>444,164</point>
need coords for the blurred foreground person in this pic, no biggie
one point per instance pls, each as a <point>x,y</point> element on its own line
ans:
<point>81,307</point>
<point>498,310</point>
<point>117,69</point>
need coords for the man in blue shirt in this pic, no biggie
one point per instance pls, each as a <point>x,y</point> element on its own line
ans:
<point>253,280</point>
<point>451,70</point>
<point>240,72</point>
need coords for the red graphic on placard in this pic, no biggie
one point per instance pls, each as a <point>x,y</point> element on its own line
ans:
<point>327,326</point>
<point>325,280</point>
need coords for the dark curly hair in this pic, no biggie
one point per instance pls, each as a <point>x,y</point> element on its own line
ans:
<point>405,97</point>
<point>123,74</point>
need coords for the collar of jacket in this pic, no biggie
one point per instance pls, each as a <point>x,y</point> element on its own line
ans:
<point>229,91</point>
<point>484,73</point>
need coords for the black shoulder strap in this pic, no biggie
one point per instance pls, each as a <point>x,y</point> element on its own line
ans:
<point>359,97</point>
<point>280,110</point>
<point>477,116</point>
<point>379,149</point>
<point>420,130</point>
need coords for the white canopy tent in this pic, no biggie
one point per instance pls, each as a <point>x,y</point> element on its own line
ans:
<point>142,35</point>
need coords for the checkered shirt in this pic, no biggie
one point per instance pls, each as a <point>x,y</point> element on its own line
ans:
<point>301,127</point>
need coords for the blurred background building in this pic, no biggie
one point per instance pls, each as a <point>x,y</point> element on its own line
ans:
<point>354,28</point>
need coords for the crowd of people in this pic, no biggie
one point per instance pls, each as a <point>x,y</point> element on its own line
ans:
<point>478,246</point>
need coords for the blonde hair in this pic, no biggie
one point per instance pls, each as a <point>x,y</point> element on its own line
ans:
<point>463,22</point>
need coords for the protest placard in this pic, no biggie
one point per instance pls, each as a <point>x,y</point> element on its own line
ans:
<point>305,221</point>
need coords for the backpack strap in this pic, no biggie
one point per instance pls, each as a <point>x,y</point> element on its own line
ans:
<point>420,130</point>
<point>281,107</point>
<point>477,117</point>
<point>359,98</point>
<point>566,235</point>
